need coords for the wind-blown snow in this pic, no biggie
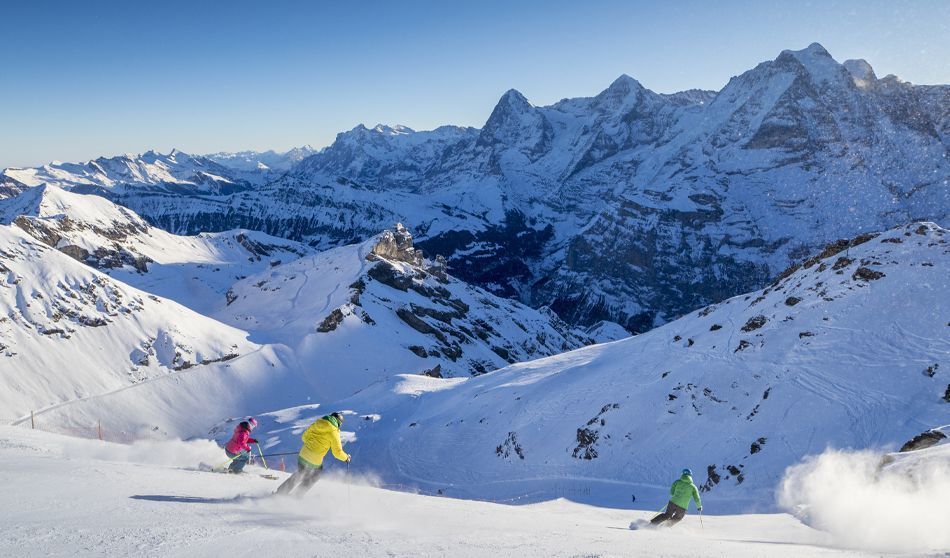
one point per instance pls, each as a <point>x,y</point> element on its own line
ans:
<point>897,508</point>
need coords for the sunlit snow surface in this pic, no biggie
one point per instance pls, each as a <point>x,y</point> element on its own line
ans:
<point>88,498</point>
<point>737,392</point>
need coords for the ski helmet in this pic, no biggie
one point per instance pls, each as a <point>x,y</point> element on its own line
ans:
<point>338,416</point>
<point>252,422</point>
<point>687,472</point>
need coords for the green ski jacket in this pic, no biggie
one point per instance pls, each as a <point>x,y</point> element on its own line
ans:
<point>683,490</point>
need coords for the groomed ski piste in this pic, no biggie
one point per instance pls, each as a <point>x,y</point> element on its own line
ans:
<point>77,497</point>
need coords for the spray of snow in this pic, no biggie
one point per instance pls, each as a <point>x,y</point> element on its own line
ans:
<point>340,500</point>
<point>865,505</point>
<point>169,453</point>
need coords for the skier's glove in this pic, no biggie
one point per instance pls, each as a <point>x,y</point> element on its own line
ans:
<point>251,441</point>
<point>700,509</point>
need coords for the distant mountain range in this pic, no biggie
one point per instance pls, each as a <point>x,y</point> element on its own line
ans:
<point>631,206</point>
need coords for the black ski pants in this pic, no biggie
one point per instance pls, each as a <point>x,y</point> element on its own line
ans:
<point>674,514</point>
<point>301,481</point>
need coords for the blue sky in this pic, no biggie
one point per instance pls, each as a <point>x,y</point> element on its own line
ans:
<point>83,79</point>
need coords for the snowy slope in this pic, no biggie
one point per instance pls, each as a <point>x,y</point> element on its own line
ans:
<point>847,351</point>
<point>69,332</point>
<point>142,501</point>
<point>195,271</point>
<point>360,313</point>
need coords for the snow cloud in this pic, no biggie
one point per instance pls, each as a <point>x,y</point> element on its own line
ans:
<point>169,453</point>
<point>900,507</point>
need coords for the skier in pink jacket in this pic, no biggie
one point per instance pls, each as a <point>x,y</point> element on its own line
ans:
<point>238,447</point>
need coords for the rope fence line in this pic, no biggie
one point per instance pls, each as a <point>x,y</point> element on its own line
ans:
<point>97,431</point>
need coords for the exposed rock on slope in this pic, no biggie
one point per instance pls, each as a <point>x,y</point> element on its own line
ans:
<point>360,313</point>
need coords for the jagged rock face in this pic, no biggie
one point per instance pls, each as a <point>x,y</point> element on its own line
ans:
<point>360,313</point>
<point>923,440</point>
<point>396,245</point>
<point>630,206</point>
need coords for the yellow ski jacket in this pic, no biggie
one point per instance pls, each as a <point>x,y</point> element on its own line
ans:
<point>322,436</point>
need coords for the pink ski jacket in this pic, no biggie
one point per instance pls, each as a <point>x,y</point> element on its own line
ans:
<point>240,440</point>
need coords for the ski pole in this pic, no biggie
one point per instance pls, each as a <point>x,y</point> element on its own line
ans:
<point>225,464</point>
<point>280,454</point>
<point>264,461</point>
<point>701,526</point>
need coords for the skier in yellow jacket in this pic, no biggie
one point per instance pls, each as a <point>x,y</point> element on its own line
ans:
<point>322,436</point>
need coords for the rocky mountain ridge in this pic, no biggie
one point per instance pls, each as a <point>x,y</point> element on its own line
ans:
<point>629,206</point>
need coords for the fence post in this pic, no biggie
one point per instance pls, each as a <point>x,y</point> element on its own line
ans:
<point>32,420</point>
<point>99,428</point>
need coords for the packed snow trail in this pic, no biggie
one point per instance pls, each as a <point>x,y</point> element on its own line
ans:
<point>89,498</point>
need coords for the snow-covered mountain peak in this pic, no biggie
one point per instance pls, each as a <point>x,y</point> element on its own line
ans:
<point>814,50</point>
<point>810,56</point>
<point>817,64</point>
<point>398,129</point>
<point>861,71</point>
<point>515,124</point>
<point>622,92</point>
<point>622,85</point>
<point>515,99</point>
<point>511,105</point>
<point>152,156</point>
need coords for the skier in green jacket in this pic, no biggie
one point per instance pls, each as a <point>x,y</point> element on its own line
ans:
<point>682,491</point>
